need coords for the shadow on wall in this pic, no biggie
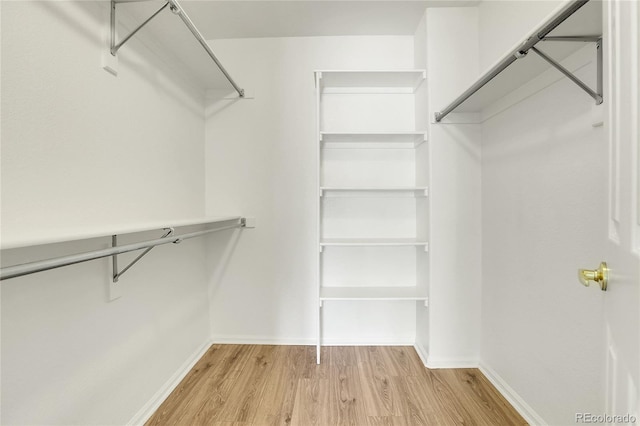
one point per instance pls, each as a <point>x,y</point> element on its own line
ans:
<point>90,20</point>
<point>218,101</point>
<point>219,249</point>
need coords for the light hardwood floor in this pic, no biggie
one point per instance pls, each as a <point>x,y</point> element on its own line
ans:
<point>364,385</point>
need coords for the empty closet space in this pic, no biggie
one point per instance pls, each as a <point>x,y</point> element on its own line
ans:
<point>318,212</point>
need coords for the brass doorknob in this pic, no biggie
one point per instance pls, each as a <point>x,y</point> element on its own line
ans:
<point>600,276</point>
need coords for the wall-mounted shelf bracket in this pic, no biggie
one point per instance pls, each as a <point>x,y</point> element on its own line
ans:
<point>114,243</point>
<point>177,10</point>
<point>541,33</point>
<point>114,47</point>
<point>595,94</point>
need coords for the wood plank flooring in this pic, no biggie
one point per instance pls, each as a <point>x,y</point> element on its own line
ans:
<point>238,385</point>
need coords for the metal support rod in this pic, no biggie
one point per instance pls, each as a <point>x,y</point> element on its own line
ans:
<point>570,76</point>
<point>114,258</point>
<point>599,72</point>
<point>585,39</point>
<point>114,49</point>
<point>175,8</point>
<point>493,72</point>
<point>519,52</point>
<point>45,265</point>
<point>112,22</point>
<point>116,274</point>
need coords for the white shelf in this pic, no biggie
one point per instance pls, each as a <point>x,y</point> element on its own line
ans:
<point>422,191</point>
<point>372,140</point>
<point>403,81</point>
<point>372,242</point>
<point>586,21</point>
<point>372,293</point>
<point>10,240</point>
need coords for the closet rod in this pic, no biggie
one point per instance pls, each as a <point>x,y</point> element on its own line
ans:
<point>518,53</point>
<point>177,9</point>
<point>58,262</point>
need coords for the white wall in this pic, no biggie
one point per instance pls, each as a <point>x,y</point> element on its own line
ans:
<point>261,159</point>
<point>454,312</point>
<point>542,186</point>
<point>83,148</point>
<point>541,180</point>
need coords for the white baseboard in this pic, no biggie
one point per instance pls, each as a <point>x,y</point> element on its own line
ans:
<point>436,363</point>
<point>366,342</point>
<point>253,340</point>
<point>512,396</point>
<point>422,353</point>
<point>154,403</point>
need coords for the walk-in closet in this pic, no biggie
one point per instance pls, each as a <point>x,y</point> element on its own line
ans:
<point>316,212</point>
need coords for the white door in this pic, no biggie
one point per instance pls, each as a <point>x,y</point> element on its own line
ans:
<point>622,247</point>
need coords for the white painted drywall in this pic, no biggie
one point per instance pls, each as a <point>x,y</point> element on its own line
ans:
<point>455,286</point>
<point>542,212</point>
<point>81,147</point>
<point>541,191</point>
<point>261,159</point>
<point>76,139</point>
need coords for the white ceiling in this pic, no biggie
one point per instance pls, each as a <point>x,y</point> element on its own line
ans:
<point>299,18</point>
<point>266,18</point>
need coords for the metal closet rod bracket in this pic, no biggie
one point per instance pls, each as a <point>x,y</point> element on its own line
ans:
<point>58,262</point>
<point>177,10</point>
<point>541,33</point>
<point>595,94</point>
<point>114,258</point>
<point>114,47</point>
<point>242,223</point>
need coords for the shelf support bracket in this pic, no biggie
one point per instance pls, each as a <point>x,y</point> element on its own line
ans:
<point>116,46</point>
<point>114,243</point>
<point>595,94</point>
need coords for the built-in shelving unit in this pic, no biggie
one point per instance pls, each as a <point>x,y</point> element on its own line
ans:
<point>574,25</point>
<point>373,199</point>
